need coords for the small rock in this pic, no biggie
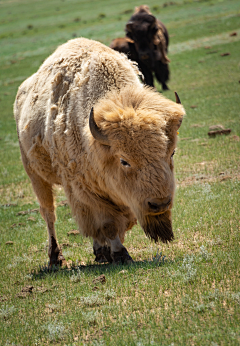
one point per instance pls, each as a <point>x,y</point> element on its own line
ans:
<point>27,289</point>
<point>225,54</point>
<point>9,242</point>
<point>216,127</point>
<point>41,289</point>
<point>73,232</point>
<point>25,212</point>
<point>123,271</point>
<point>100,278</point>
<point>31,218</point>
<point>219,132</point>
<point>25,292</point>
<point>193,106</point>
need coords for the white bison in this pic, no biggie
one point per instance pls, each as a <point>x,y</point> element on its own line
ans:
<point>86,122</point>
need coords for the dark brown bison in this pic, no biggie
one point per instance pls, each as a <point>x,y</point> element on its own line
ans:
<point>86,122</point>
<point>146,42</point>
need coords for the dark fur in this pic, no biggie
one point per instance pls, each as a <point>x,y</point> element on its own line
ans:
<point>159,227</point>
<point>138,44</point>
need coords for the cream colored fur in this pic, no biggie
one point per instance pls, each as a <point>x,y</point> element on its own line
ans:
<point>52,110</point>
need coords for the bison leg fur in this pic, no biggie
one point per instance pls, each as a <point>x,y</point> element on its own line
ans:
<point>147,73</point>
<point>45,197</point>
<point>162,74</point>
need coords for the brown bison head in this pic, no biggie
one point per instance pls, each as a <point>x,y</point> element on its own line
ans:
<point>141,29</point>
<point>134,135</point>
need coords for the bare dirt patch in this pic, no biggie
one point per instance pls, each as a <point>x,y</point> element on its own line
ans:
<point>207,179</point>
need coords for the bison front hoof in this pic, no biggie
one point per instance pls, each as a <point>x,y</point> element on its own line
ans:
<point>100,258</point>
<point>103,254</point>
<point>122,257</point>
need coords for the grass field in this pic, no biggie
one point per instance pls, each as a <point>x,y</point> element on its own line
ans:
<point>184,293</point>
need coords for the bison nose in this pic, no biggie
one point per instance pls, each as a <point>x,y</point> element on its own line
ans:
<point>157,205</point>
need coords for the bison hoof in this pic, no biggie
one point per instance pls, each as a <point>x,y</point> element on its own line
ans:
<point>103,254</point>
<point>122,257</point>
<point>57,260</point>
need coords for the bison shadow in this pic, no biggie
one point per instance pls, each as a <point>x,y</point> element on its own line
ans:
<point>98,269</point>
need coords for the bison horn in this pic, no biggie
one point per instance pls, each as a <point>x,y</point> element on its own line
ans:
<point>177,98</point>
<point>95,131</point>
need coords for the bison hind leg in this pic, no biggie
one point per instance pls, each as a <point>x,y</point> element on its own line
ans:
<point>44,193</point>
<point>56,257</point>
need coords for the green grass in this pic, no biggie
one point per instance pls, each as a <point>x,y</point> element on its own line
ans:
<point>185,293</point>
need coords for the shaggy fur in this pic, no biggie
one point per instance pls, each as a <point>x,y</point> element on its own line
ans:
<point>52,110</point>
<point>160,39</point>
<point>146,42</point>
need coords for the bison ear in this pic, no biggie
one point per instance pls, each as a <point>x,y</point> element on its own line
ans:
<point>175,121</point>
<point>129,26</point>
<point>95,131</point>
<point>153,21</point>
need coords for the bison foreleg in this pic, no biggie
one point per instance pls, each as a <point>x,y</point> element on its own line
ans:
<point>119,253</point>
<point>115,253</point>
<point>102,253</point>
<point>162,74</point>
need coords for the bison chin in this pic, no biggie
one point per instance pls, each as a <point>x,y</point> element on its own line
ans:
<point>158,227</point>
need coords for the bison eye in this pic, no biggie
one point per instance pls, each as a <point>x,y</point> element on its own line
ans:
<point>173,153</point>
<point>124,163</point>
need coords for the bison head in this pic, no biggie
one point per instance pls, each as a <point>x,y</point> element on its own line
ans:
<point>141,29</point>
<point>134,135</point>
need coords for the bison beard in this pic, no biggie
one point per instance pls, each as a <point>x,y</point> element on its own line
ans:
<point>158,227</point>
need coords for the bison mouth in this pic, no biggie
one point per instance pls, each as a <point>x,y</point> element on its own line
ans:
<point>158,227</point>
